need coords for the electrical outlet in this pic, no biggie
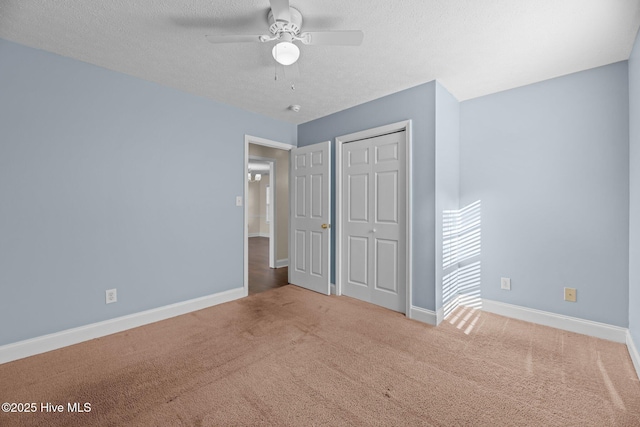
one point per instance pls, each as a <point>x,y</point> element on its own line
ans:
<point>570,294</point>
<point>505,283</point>
<point>111,295</point>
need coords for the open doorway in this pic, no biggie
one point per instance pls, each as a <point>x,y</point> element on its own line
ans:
<point>260,203</point>
<point>266,214</point>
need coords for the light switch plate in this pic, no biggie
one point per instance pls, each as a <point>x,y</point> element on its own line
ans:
<point>505,283</point>
<point>238,200</point>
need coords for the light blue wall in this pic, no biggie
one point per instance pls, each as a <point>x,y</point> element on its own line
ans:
<point>108,181</point>
<point>634,192</point>
<point>550,163</point>
<point>447,168</point>
<point>416,104</point>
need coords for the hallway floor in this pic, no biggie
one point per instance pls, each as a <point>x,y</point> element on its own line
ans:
<point>261,277</point>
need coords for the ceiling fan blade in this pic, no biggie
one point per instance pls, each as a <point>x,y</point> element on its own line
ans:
<point>280,9</point>
<point>233,38</point>
<point>333,38</point>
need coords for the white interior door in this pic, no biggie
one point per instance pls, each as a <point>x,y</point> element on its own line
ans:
<point>310,212</point>
<point>374,220</point>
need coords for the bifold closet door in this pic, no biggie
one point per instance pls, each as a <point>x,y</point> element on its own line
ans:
<point>374,216</point>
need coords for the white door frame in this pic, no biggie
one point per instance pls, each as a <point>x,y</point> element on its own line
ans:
<point>248,139</point>
<point>370,133</point>
<point>272,206</point>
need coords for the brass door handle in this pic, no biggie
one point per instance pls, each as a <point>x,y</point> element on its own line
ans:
<point>326,225</point>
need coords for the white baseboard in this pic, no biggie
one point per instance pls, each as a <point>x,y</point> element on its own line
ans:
<point>633,352</point>
<point>258,235</point>
<point>423,315</point>
<point>439,315</point>
<point>282,263</point>
<point>77,335</point>
<point>559,321</point>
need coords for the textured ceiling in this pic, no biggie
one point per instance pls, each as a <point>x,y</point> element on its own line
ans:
<point>473,47</point>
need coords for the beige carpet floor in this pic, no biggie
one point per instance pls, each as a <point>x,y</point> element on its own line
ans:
<point>292,357</point>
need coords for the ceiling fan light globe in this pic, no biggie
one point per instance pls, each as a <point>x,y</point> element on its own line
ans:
<point>286,53</point>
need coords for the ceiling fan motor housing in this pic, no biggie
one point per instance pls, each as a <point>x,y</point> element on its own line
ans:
<point>292,27</point>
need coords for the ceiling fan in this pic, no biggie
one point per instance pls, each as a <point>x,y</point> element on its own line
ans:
<point>285,23</point>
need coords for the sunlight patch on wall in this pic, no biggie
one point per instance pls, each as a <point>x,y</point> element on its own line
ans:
<point>461,248</point>
<point>461,234</point>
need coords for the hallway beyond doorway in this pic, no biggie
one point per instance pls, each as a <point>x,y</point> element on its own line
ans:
<point>261,277</point>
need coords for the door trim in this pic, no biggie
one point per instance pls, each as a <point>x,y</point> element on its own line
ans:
<point>248,139</point>
<point>371,133</point>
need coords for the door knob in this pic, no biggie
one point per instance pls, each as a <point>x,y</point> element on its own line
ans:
<point>374,230</point>
<point>326,225</point>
